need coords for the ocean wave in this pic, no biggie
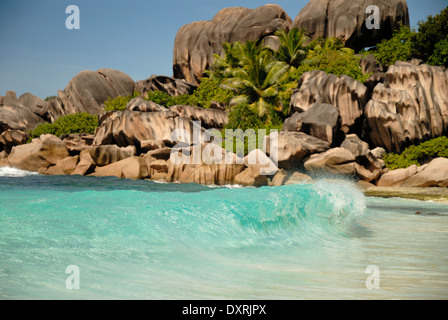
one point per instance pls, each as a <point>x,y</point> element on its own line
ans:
<point>14,172</point>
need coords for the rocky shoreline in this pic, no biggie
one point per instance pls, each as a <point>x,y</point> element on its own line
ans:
<point>336,125</point>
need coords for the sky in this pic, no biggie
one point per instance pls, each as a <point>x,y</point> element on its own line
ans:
<point>38,54</point>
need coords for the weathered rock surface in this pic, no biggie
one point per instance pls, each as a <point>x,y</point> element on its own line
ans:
<point>297,178</point>
<point>333,161</point>
<point>4,159</point>
<point>280,178</point>
<point>88,90</point>
<point>394,178</point>
<point>435,174</point>
<point>347,20</point>
<point>131,128</point>
<point>293,147</point>
<point>319,121</point>
<point>11,138</point>
<point>16,116</point>
<point>355,145</point>
<point>410,107</point>
<point>208,171</point>
<point>346,94</point>
<point>107,154</point>
<point>195,43</point>
<point>139,104</point>
<point>62,167</point>
<point>209,118</point>
<point>172,86</point>
<point>86,165</point>
<point>42,152</point>
<point>131,168</point>
<point>251,176</point>
<point>36,105</point>
<point>75,143</point>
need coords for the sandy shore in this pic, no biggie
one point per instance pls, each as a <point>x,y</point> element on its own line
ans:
<point>426,194</point>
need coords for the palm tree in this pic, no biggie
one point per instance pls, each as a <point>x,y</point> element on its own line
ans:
<point>293,48</point>
<point>256,79</point>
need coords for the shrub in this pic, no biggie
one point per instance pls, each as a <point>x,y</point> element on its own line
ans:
<point>430,33</point>
<point>119,103</point>
<point>440,54</point>
<point>418,155</point>
<point>70,124</point>
<point>210,91</point>
<point>398,48</point>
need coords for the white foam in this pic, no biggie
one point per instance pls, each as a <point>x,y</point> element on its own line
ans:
<point>13,172</point>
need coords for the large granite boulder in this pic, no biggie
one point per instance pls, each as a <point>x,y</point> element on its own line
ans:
<point>334,161</point>
<point>130,168</point>
<point>16,116</point>
<point>209,118</point>
<point>320,121</point>
<point>435,174</point>
<point>197,42</point>
<point>208,170</point>
<point>346,94</point>
<point>293,148</point>
<point>139,104</point>
<point>409,107</point>
<point>36,105</point>
<point>347,20</point>
<point>42,152</point>
<point>172,86</point>
<point>132,128</point>
<point>88,90</point>
<point>104,155</point>
<point>11,138</point>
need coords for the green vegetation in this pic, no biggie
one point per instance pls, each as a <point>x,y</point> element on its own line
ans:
<point>419,154</point>
<point>429,43</point>
<point>50,98</point>
<point>119,103</point>
<point>398,48</point>
<point>255,83</point>
<point>73,123</point>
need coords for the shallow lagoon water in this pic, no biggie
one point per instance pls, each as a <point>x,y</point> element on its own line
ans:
<point>143,240</point>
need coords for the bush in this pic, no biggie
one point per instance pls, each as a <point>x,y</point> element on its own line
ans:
<point>70,124</point>
<point>398,48</point>
<point>440,54</point>
<point>119,103</point>
<point>209,91</point>
<point>418,155</point>
<point>430,34</point>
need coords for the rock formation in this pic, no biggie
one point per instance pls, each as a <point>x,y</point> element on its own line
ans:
<point>409,107</point>
<point>16,116</point>
<point>320,121</point>
<point>88,90</point>
<point>197,42</point>
<point>347,20</point>
<point>347,95</point>
<point>172,86</point>
<point>131,128</point>
<point>294,147</point>
<point>42,152</point>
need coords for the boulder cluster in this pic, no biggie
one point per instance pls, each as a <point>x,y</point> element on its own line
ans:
<point>336,125</point>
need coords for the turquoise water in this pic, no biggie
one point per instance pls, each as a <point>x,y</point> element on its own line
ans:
<point>143,240</point>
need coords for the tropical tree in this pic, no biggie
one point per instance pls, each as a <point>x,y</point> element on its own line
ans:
<point>256,80</point>
<point>293,48</point>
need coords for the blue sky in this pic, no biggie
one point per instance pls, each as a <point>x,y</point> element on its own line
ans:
<point>39,55</point>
